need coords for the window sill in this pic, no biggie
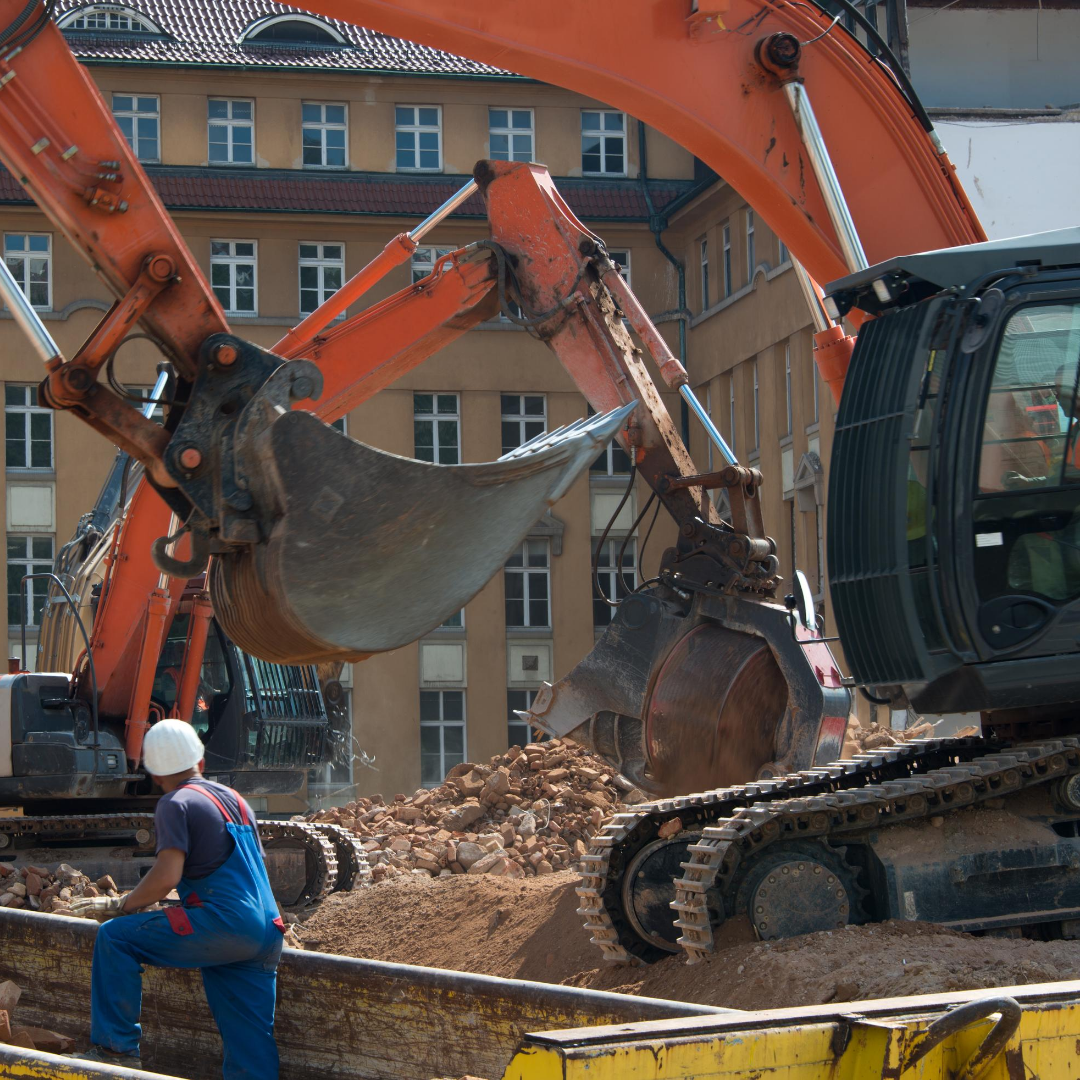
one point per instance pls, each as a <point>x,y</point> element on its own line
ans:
<point>786,441</point>
<point>763,269</point>
<point>529,632</point>
<point>604,175</point>
<point>606,480</point>
<point>30,474</point>
<point>812,429</point>
<point>429,172</point>
<point>446,633</point>
<point>231,165</point>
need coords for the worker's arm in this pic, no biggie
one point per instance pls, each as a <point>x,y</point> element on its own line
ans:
<point>160,880</point>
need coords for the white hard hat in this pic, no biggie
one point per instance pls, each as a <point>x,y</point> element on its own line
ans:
<point>171,746</point>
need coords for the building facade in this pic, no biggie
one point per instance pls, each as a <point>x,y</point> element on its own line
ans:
<point>289,150</point>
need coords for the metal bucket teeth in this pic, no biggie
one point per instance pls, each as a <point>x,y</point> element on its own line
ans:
<point>368,551</point>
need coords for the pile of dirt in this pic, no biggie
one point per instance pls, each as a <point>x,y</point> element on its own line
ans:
<point>529,812</point>
<point>39,889</point>
<point>530,930</point>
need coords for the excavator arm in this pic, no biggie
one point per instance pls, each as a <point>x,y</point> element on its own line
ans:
<point>241,461</point>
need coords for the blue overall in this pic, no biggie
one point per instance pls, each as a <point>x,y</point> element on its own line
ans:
<point>230,929</point>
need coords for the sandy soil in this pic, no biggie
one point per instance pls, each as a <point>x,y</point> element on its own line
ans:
<point>529,929</point>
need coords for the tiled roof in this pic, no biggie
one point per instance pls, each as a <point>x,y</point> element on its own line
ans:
<point>380,194</point>
<point>207,32</point>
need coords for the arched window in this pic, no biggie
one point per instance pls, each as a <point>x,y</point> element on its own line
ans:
<point>292,30</point>
<point>108,18</point>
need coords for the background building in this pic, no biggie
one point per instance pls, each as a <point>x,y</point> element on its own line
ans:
<point>289,149</point>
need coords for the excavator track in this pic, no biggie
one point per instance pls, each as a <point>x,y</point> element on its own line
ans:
<point>321,855</point>
<point>605,904</point>
<point>728,844</point>
<point>353,870</point>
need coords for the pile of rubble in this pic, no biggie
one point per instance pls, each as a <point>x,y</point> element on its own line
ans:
<point>39,889</point>
<point>30,1038</point>
<point>530,811</point>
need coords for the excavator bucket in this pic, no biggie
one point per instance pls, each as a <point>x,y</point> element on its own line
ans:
<point>380,549</point>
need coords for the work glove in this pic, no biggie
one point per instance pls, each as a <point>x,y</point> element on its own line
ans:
<point>98,907</point>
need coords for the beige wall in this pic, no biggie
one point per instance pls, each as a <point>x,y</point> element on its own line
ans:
<point>723,342</point>
<point>371,101</point>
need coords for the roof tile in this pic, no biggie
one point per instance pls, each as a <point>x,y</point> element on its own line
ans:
<point>198,188</point>
<point>209,32</point>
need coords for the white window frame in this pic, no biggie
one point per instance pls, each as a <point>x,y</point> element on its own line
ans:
<point>135,114</point>
<point>521,419</point>
<point>727,260</point>
<point>36,591</point>
<point>21,414</point>
<point>147,392</point>
<point>441,725</point>
<point>321,263</point>
<point>424,259</point>
<point>233,260</point>
<point>113,16</point>
<point>443,453</point>
<point>257,27</point>
<point>782,252</point>
<point>415,128</point>
<point>22,278</point>
<point>751,254</point>
<point>323,126</point>
<point>814,380</point>
<point>512,721</point>
<point>621,258</point>
<point>230,124</point>
<point>510,132</point>
<point>529,575</point>
<point>787,389</point>
<point>603,134</point>
<point>703,248</point>
<point>757,410</point>
<point>609,576</point>
<point>731,406</point>
<point>604,463</point>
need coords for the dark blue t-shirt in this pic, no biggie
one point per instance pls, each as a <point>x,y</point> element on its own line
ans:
<point>187,820</point>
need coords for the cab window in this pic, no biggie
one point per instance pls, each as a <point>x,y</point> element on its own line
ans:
<point>1026,512</point>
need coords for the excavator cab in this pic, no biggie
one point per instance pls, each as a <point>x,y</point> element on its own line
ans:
<point>966,592</point>
<point>264,725</point>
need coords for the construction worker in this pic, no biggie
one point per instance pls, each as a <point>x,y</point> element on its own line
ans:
<point>227,923</point>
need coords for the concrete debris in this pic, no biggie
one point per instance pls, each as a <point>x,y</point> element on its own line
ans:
<point>37,888</point>
<point>26,1036</point>
<point>529,811</point>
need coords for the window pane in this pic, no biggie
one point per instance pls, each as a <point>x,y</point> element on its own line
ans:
<point>429,159</point>
<point>538,613</point>
<point>522,118</point>
<point>241,110</point>
<point>590,121</point>
<point>538,552</point>
<point>613,121</point>
<point>217,109</point>
<point>406,159</point>
<point>332,278</point>
<point>313,155</point>
<point>404,115</point>
<point>515,613</point>
<point>497,117</point>
<point>311,113</point>
<point>41,426</point>
<point>447,403</point>
<point>429,705</point>
<point>429,117</point>
<point>41,547</point>
<point>245,300</point>
<point>534,405</point>
<point>453,704</point>
<point>15,451</point>
<point>515,586</point>
<point>454,742</point>
<point>500,147</point>
<point>244,249</point>
<point>335,114</point>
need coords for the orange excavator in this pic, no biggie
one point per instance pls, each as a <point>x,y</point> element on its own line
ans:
<point>952,550</point>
